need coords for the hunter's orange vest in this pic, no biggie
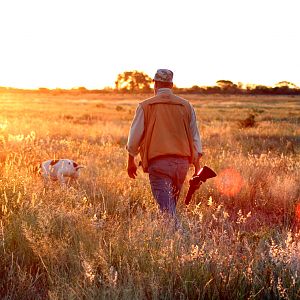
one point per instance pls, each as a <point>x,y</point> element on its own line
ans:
<point>167,128</point>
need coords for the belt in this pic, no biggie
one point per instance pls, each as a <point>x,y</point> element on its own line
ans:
<point>168,156</point>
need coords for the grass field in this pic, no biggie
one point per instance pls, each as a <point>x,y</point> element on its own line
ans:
<point>104,238</point>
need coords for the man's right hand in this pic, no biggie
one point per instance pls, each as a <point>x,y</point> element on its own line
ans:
<point>197,164</point>
<point>131,167</point>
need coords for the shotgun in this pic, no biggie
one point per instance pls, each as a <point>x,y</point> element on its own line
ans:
<point>195,182</point>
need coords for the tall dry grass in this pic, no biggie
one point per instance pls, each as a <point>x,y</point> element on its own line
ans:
<point>105,238</point>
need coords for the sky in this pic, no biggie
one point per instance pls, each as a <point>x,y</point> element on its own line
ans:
<point>74,43</point>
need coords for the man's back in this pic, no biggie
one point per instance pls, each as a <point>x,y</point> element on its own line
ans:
<point>166,118</point>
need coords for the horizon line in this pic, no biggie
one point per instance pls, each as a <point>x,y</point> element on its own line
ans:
<point>108,87</point>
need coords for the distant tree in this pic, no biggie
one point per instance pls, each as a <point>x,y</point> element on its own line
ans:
<point>261,90</point>
<point>82,89</point>
<point>227,86</point>
<point>224,84</point>
<point>133,81</point>
<point>288,84</point>
<point>282,90</point>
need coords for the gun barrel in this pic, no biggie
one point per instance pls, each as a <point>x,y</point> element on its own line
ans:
<point>189,195</point>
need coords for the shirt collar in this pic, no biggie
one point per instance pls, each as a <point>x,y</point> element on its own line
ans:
<point>164,91</point>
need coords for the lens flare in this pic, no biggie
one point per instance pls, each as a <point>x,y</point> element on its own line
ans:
<point>229,182</point>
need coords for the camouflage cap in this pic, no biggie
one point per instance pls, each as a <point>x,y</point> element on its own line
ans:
<point>163,75</point>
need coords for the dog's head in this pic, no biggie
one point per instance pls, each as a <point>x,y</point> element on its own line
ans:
<point>76,168</point>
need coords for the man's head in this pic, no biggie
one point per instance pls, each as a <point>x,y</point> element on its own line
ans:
<point>163,79</point>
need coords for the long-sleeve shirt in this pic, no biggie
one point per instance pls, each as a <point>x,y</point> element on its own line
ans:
<point>137,129</point>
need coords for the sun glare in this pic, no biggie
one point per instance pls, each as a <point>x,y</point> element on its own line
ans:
<point>229,182</point>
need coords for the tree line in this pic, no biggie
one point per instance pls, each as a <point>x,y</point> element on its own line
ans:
<point>139,82</point>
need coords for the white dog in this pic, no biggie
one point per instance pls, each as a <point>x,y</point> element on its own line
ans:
<point>60,169</point>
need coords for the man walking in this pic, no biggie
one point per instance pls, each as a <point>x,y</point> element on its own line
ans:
<point>164,131</point>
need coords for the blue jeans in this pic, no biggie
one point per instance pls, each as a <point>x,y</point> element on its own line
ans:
<point>166,177</point>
